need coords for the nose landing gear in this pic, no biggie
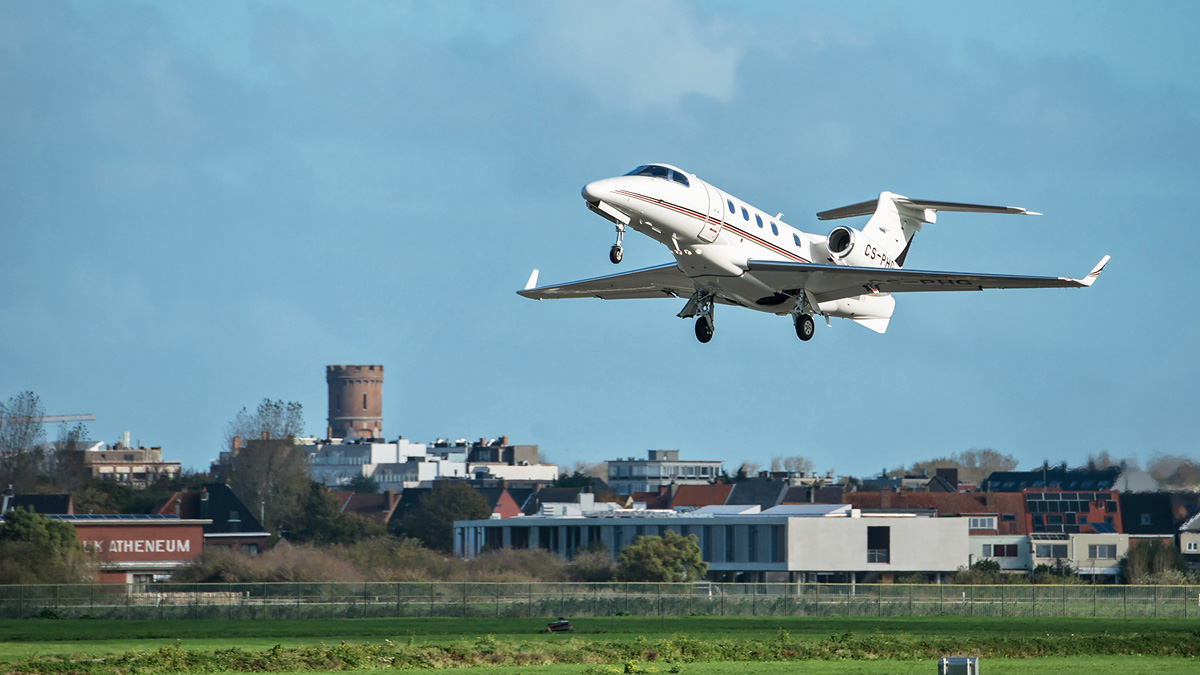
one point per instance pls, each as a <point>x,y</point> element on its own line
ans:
<point>615,253</point>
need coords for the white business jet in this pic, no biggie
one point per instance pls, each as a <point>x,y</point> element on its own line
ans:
<point>729,252</point>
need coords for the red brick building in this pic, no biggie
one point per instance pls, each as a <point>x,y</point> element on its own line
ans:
<point>138,548</point>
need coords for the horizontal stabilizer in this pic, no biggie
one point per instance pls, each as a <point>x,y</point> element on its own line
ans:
<point>868,208</point>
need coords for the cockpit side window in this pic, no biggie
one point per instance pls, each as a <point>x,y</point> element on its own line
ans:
<point>680,178</point>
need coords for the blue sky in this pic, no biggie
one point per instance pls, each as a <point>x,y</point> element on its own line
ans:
<point>203,204</point>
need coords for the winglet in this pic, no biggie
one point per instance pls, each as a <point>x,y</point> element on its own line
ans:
<point>1095,273</point>
<point>532,283</point>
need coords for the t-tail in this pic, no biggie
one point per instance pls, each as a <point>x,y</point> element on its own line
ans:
<point>895,219</point>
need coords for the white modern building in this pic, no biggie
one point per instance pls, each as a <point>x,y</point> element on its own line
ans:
<point>404,464</point>
<point>780,544</point>
<point>662,467</point>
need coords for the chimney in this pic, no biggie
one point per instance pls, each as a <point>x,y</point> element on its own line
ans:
<point>504,441</point>
<point>387,499</point>
<point>203,502</point>
<point>885,499</point>
<point>178,506</point>
<point>264,435</point>
<point>237,443</point>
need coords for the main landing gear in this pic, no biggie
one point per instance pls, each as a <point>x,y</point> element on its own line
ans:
<point>700,305</point>
<point>614,253</point>
<point>804,327</point>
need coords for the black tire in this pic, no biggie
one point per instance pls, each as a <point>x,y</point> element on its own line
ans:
<point>704,329</point>
<point>805,327</point>
<point>614,254</point>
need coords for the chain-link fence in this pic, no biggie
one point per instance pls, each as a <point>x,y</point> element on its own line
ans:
<point>470,599</point>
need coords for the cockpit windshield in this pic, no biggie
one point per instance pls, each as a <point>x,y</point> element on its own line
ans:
<point>656,171</point>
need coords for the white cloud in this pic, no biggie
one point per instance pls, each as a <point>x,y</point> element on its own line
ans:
<point>642,55</point>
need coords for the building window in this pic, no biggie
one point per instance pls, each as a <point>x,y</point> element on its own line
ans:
<point>1192,547</point>
<point>879,544</point>
<point>1057,551</point>
<point>1145,519</point>
<point>706,543</point>
<point>235,517</point>
<point>364,401</point>
<point>752,543</point>
<point>983,523</point>
<point>1106,551</point>
<point>777,543</point>
<point>249,549</point>
<point>730,551</point>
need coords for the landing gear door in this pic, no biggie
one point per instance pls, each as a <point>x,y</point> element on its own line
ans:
<point>716,215</point>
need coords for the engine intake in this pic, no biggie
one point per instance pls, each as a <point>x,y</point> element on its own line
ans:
<point>841,241</point>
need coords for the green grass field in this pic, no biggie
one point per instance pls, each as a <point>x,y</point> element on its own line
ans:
<point>691,645</point>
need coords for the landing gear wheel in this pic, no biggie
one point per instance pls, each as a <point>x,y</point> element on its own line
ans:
<point>614,254</point>
<point>704,329</point>
<point>805,327</point>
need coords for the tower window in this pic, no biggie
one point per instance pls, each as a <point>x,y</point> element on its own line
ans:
<point>364,401</point>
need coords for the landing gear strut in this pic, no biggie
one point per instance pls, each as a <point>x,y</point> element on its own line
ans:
<point>700,305</point>
<point>614,253</point>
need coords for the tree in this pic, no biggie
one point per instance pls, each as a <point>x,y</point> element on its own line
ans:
<point>21,436</point>
<point>269,469</point>
<point>37,550</point>
<point>795,464</point>
<point>432,521</point>
<point>1154,562</point>
<point>64,465</point>
<point>363,485</point>
<point>973,465</point>
<point>671,557</point>
<point>320,521</point>
<point>272,420</point>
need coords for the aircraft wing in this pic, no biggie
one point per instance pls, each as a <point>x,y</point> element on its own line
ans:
<point>831,282</point>
<point>664,281</point>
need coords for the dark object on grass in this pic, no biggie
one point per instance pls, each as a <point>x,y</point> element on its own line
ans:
<point>560,626</point>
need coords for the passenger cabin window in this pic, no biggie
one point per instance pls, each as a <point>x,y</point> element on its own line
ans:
<point>796,238</point>
<point>745,214</point>
<point>774,230</point>
<point>731,208</point>
<point>759,219</point>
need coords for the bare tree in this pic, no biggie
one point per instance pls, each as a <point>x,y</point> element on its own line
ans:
<point>21,437</point>
<point>266,468</point>
<point>64,463</point>
<point>973,465</point>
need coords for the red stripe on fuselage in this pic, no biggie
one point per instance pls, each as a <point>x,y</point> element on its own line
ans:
<point>712,221</point>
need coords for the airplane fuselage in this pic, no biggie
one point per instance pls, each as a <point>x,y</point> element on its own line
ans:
<point>713,234</point>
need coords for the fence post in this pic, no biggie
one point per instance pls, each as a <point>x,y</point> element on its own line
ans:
<point>1095,600</point>
<point>1156,601</point>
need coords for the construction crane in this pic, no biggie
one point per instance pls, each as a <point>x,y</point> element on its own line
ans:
<point>50,419</point>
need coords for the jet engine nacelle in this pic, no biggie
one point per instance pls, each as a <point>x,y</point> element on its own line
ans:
<point>848,246</point>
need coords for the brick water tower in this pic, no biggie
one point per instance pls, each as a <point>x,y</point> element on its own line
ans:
<point>355,401</point>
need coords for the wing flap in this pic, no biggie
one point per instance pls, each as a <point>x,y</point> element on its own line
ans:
<point>831,282</point>
<point>664,281</point>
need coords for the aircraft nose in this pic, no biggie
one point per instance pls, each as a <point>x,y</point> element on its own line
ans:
<point>600,191</point>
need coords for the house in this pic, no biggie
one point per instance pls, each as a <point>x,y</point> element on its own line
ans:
<point>1112,478</point>
<point>45,504</point>
<point>227,521</point>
